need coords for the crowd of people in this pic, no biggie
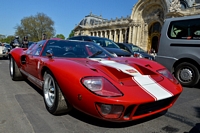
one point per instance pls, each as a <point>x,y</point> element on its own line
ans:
<point>24,44</point>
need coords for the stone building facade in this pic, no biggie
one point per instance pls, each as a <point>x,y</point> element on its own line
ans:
<point>143,26</point>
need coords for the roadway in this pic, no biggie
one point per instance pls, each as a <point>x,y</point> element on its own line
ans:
<point>22,110</point>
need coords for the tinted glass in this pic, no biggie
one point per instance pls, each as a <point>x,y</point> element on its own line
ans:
<point>184,29</point>
<point>135,48</point>
<point>76,38</point>
<point>75,49</point>
<point>104,42</point>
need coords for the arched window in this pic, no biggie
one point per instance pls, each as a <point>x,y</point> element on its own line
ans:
<point>156,27</point>
<point>183,6</point>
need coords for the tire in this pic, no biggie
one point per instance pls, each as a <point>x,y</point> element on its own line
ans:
<point>14,70</point>
<point>187,74</point>
<point>54,100</point>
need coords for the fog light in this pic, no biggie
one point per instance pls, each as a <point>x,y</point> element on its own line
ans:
<point>106,109</point>
<point>110,111</point>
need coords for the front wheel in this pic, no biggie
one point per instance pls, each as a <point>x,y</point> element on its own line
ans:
<point>187,74</point>
<point>54,100</point>
<point>14,70</point>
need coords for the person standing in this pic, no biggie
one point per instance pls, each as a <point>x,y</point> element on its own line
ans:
<point>44,36</point>
<point>25,42</point>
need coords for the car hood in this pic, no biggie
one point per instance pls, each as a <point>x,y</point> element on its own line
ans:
<point>123,72</point>
<point>118,51</point>
<point>120,70</point>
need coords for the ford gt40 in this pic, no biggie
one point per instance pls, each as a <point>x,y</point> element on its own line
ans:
<point>83,75</point>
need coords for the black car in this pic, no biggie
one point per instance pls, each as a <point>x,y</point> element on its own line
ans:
<point>107,44</point>
<point>135,50</point>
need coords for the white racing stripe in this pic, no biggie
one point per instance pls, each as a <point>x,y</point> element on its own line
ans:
<point>144,81</point>
<point>151,86</point>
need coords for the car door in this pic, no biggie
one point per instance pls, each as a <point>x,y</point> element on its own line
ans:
<point>33,58</point>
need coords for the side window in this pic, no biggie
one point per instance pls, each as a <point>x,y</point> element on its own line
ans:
<point>76,38</point>
<point>184,29</point>
<point>86,39</point>
<point>122,46</point>
<point>38,48</point>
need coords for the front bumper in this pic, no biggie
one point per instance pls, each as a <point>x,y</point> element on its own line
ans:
<point>4,55</point>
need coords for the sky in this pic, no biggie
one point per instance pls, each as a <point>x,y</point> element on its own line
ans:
<point>66,14</point>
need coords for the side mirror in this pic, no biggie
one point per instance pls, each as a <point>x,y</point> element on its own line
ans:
<point>49,53</point>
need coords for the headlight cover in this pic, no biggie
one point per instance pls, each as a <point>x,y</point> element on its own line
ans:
<point>101,86</point>
<point>168,75</point>
<point>138,55</point>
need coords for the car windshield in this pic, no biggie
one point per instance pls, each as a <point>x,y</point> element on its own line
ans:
<point>105,42</point>
<point>136,48</point>
<point>75,49</point>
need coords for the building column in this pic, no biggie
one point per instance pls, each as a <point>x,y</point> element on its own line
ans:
<point>100,33</point>
<point>115,35</point>
<point>106,34</point>
<point>130,35</point>
<point>110,35</point>
<point>134,35</point>
<point>138,35</point>
<point>120,35</point>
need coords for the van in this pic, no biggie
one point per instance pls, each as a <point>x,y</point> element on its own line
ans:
<point>179,48</point>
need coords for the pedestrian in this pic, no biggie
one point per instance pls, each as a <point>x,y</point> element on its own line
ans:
<point>15,42</point>
<point>44,36</point>
<point>25,42</point>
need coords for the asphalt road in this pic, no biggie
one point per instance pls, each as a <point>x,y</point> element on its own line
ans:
<point>22,110</point>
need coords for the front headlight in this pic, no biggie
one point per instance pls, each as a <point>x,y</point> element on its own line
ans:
<point>168,75</point>
<point>138,55</point>
<point>101,86</point>
<point>5,51</point>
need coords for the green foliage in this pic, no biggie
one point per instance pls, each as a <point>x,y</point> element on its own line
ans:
<point>7,39</point>
<point>35,26</point>
<point>61,36</point>
<point>71,34</point>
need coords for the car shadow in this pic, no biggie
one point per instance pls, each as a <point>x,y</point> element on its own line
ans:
<point>108,124</point>
<point>34,87</point>
<point>195,129</point>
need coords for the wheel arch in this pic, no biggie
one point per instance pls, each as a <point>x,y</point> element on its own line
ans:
<point>188,60</point>
<point>44,69</point>
<point>16,54</point>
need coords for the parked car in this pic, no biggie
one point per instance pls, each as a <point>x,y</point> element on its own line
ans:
<point>85,76</point>
<point>3,51</point>
<point>8,46</point>
<point>135,50</point>
<point>107,44</point>
<point>179,48</point>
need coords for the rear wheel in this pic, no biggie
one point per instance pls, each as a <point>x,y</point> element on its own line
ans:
<point>187,74</point>
<point>54,100</point>
<point>14,70</point>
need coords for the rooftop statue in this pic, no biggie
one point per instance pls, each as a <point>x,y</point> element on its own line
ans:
<point>175,6</point>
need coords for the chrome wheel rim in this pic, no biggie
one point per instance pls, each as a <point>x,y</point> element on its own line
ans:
<point>49,90</point>
<point>11,66</point>
<point>186,75</point>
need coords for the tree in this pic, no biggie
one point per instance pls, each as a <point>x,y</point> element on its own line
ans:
<point>71,34</point>
<point>7,39</point>
<point>35,26</point>
<point>61,36</point>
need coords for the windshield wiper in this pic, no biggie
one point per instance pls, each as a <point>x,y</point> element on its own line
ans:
<point>95,54</point>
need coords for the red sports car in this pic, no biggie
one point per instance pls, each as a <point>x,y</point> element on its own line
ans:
<point>83,75</point>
